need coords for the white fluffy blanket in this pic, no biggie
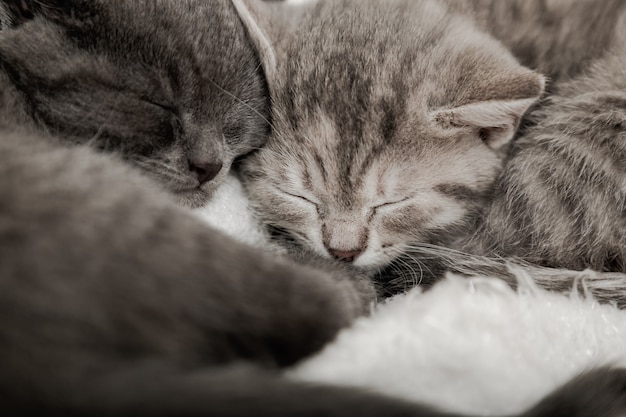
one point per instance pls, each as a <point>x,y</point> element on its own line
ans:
<point>472,346</point>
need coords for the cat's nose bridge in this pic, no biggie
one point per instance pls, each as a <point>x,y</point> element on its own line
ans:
<point>345,238</point>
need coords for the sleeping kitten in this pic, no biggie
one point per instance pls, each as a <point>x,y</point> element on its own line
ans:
<point>158,94</point>
<point>391,125</point>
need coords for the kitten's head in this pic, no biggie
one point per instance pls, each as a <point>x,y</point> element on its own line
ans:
<point>390,123</point>
<point>174,87</point>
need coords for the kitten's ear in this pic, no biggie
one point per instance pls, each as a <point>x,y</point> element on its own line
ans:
<point>252,17</point>
<point>496,119</point>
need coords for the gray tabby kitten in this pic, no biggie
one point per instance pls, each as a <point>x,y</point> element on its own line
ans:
<point>390,124</point>
<point>393,122</point>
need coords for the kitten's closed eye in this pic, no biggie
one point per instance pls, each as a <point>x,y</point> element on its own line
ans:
<point>390,205</point>
<point>298,197</point>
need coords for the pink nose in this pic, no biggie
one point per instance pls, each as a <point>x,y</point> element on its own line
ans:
<point>205,171</point>
<point>345,255</point>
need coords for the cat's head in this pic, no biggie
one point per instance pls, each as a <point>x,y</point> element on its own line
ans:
<point>390,124</point>
<point>174,87</point>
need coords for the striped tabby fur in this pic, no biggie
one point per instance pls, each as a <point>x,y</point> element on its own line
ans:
<point>561,199</point>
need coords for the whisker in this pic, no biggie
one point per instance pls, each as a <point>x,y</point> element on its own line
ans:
<point>242,102</point>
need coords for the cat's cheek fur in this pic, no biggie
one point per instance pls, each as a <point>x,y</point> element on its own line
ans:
<point>295,219</point>
<point>390,236</point>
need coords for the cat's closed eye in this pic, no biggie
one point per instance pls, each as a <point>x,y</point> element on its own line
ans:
<point>300,198</point>
<point>389,205</point>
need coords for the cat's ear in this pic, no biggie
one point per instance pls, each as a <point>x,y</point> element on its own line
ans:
<point>496,119</point>
<point>251,14</point>
<point>13,13</point>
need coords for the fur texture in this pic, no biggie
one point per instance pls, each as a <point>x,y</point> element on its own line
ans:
<point>558,38</point>
<point>115,301</point>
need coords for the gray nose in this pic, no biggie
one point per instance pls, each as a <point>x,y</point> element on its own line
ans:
<point>205,171</point>
<point>345,256</point>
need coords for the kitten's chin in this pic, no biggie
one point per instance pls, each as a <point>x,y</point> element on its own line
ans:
<point>194,198</point>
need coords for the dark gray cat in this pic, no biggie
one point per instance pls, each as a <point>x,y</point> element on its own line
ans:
<point>161,96</point>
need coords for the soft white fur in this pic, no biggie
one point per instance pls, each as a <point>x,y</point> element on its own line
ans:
<point>473,346</point>
<point>229,211</point>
